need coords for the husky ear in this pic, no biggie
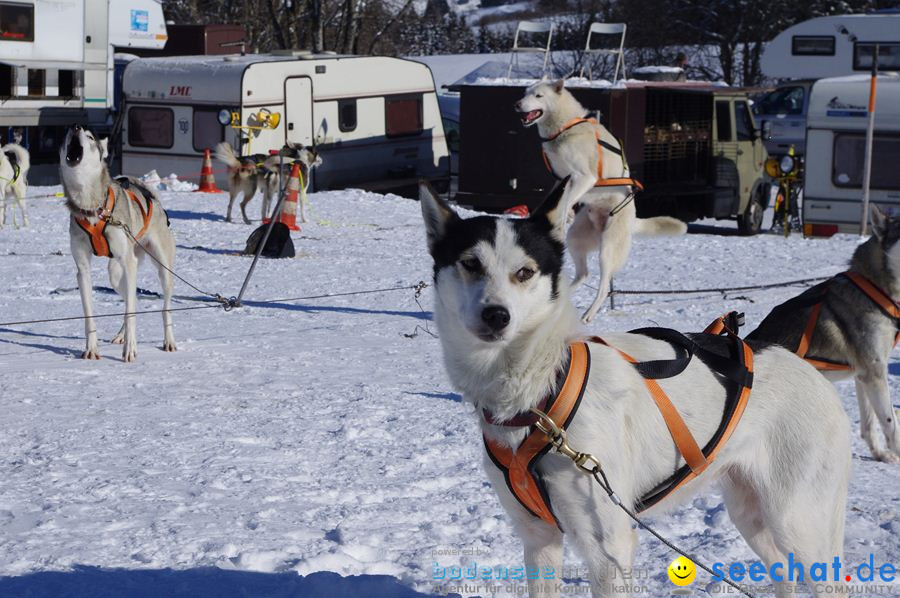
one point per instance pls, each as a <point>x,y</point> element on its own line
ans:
<point>104,148</point>
<point>436,213</point>
<point>554,210</point>
<point>879,221</point>
<point>559,85</point>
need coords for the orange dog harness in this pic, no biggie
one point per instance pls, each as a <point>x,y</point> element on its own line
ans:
<point>96,231</point>
<point>519,466</point>
<point>870,290</point>
<point>601,182</point>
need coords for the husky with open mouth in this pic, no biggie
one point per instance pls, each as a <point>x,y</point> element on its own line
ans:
<point>119,219</point>
<point>579,147</point>
<point>511,343</point>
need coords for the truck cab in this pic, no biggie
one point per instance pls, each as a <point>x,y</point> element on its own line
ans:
<point>739,154</point>
<point>782,116</point>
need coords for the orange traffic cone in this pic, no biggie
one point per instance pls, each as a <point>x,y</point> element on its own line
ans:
<point>207,179</point>
<point>289,206</point>
<point>520,210</point>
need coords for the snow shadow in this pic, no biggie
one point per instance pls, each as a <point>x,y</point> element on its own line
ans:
<point>190,215</point>
<point>894,368</point>
<point>208,582</point>
<point>447,396</point>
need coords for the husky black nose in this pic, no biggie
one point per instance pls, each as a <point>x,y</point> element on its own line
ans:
<point>495,316</point>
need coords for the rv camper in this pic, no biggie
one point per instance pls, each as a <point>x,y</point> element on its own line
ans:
<point>835,141</point>
<point>374,120</point>
<point>695,148</point>
<point>823,47</point>
<point>56,66</point>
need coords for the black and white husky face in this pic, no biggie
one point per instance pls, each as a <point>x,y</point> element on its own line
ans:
<point>82,157</point>
<point>496,278</point>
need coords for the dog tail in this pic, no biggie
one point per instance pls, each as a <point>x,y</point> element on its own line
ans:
<point>23,159</point>
<point>659,226</point>
<point>225,154</point>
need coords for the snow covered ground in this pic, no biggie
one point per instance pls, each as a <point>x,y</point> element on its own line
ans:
<point>312,448</point>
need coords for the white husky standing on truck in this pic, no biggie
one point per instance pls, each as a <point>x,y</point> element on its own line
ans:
<point>584,150</point>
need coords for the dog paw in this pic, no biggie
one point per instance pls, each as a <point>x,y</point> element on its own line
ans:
<point>886,456</point>
<point>247,221</point>
<point>91,354</point>
<point>587,318</point>
<point>228,219</point>
<point>169,346</point>
<point>129,354</point>
<point>118,339</point>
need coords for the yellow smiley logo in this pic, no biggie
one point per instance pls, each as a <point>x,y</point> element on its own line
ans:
<point>682,571</point>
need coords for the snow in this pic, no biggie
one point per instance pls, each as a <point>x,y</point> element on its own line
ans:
<point>313,447</point>
<point>170,183</point>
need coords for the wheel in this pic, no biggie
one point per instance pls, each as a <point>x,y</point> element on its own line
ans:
<point>750,222</point>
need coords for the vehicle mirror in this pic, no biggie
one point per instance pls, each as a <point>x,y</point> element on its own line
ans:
<point>766,130</point>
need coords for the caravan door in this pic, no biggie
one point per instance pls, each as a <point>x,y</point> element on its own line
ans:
<point>298,110</point>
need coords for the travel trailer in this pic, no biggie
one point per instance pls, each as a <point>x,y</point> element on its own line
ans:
<point>823,47</point>
<point>833,46</point>
<point>374,120</point>
<point>835,141</point>
<point>694,146</point>
<point>57,66</point>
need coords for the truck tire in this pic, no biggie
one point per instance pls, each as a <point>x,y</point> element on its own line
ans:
<point>750,222</point>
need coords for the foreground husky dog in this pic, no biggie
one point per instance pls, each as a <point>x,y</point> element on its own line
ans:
<point>594,159</point>
<point>100,208</point>
<point>246,174</point>
<point>505,322</point>
<point>854,332</point>
<point>14,165</point>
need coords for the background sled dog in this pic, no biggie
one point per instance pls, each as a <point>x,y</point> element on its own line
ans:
<point>505,322</point>
<point>588,153</point>
<point>100,208</point>
<point>852,330</point>
<point>246,174</point>
<point>14,165</point>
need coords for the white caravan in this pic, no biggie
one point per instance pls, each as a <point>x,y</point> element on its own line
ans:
<point>833,46</point>
<point>835,152</point>
<point>375,120</point>
<point>57,65</point>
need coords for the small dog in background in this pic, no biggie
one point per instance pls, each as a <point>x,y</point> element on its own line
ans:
<point>247,174</point>
<point>14,164</point>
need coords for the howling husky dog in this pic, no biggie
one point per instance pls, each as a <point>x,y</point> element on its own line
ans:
<point>577,147</point>
<point>100,210</point>
<point>246,174</point>
<point>14,165</point>
<point>506,325</point>
<point>848,325</point>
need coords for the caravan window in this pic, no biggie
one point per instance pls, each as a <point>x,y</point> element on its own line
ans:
<point>849,157</point>
<point>888,56</point>
<point>403,115</point>
<point>812,45</point>
<point>347,115</point>
<point>151,127</point>
<point>207,129</point>
<point>16,22</point>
